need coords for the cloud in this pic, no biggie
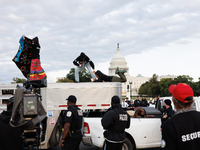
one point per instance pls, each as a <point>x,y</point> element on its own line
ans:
<point>66,28</point>
<point>53,76</point>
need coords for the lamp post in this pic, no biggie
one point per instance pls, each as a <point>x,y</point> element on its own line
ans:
<point>127,92</point>
<point>130,82</point>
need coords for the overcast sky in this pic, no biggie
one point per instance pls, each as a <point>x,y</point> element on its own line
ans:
<point>155,36</point>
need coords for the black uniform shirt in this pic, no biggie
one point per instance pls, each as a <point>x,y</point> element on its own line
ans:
<point>115,121</point>
<point>74,117</point>
<point>169,112</point>
<point>144,103</point>
<point>182,132</point>
<point>137,103</point>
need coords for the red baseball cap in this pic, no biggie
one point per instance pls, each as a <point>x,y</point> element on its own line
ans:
<point>182,92</point>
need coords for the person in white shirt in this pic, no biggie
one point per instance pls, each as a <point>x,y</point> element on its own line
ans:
<point>124,104</point>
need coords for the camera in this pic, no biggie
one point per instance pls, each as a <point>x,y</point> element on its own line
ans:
<point>27,102</point>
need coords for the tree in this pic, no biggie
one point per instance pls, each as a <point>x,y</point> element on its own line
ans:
<point>18,80</point>
<point>84,75</point>
<point>154,88</point>
<point>183,79</point>
<point>71,74</point>
<point>144,88</point>
<point>150,88</point>
<point>164,85</point>
<point>64,80</point>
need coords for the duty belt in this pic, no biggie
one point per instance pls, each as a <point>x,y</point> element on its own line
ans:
<point>75,131</point>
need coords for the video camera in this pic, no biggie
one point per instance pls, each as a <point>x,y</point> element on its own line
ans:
<point>27,102</point>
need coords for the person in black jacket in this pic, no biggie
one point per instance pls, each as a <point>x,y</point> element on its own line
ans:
<point>114,122</point>
<point>131,106</point>
<point>83,61</point>
<point>137,103</point>
<point>10,138</point>
<point>143,102</point>
<point>168,112</point>
<point>127,100</point>
<point>182,131</point>
<point>102,77</point>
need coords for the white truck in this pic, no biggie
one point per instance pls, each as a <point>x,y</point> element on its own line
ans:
<point>143,132</point>
<point>89,96</point>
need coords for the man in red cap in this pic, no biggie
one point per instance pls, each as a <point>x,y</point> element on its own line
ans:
<point>182,131</point>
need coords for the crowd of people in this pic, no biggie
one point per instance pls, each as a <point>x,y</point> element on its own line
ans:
<point>134,105</point>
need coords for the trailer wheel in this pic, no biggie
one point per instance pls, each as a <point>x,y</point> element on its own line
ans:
<point>127,145</point>
<point>55,136</point>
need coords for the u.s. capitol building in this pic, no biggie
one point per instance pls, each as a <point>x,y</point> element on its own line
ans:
<point>133,83</point>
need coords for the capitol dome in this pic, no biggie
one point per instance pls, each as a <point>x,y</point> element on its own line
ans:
<point>118,60</point>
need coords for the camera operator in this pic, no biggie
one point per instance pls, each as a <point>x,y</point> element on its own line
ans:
<point>10,138</point>
<point>31,115</point>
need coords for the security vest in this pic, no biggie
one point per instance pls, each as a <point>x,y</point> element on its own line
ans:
<point>119,124</point>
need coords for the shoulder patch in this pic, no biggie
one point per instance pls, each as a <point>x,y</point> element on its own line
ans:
<point>80,113</point>
<point>69,113</point>
<point>163,144</point>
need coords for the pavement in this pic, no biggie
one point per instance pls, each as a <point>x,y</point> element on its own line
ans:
<point>82,147</point>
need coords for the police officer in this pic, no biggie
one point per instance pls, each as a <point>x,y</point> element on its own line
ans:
<point>137,103</point>
<point>127,100</point>
<point>72,126</point>
<point>158,103</point>
<point>167,113</point>
<point>114,122</point>
<point>182,131</point>
<point>144,103</point>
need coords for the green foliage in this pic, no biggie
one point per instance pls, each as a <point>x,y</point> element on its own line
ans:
<point>144,88</point>
<point>64,80</point>
<point>71,74</point>
<point>164,85</point>
<point>18,80</point>
<point>154,87</point>
<point>183,79</point>
<point>84,75</point>
<point>151,88</point>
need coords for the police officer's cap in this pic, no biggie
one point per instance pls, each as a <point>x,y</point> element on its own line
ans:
<point>71,98</point>
<point>168,102</point>
<point>115,100</point>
